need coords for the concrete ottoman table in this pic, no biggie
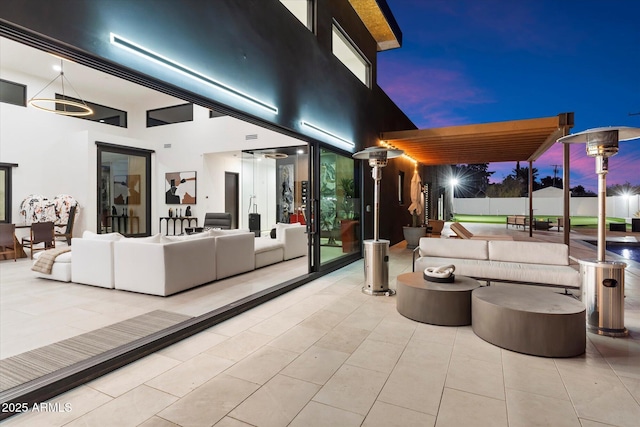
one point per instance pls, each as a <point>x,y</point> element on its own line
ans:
<point>445,304</point>
<point>528,320</point>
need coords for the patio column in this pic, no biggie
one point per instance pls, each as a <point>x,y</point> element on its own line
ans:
<point>530,198</point>
<point>566,211</point>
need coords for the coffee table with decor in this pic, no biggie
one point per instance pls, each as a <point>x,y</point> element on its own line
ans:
<point>445,304</point>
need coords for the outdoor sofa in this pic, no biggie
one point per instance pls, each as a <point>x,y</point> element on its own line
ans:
<point>529,263</point>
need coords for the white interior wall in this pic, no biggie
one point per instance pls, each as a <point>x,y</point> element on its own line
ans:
<point>57,154</point>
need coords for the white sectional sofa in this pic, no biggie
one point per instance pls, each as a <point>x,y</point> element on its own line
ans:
<point>164,265</point>
<point>290,242</point>
<point>234,252</point>
<point>531,263</point>
<point>93,259</point>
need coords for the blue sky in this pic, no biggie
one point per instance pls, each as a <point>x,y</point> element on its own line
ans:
<point>479,61</point>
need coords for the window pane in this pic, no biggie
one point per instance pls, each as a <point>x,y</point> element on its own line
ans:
<point>101,113</point>
<point>13,93</point>
<point>122,193</point>
<point>169,115</point>
<point>300,9</point>
<point>350,56</point>
<point>339,207</point>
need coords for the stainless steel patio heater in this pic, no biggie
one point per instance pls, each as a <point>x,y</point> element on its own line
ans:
<point>602,280</point>
<point>376,251</point>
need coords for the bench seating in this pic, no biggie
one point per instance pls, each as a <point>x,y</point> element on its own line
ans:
<point>529,263</point>
<point>518,221</point>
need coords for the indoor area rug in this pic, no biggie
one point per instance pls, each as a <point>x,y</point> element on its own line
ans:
<point>27,366</point>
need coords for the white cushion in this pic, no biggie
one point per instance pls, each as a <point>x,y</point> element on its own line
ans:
<point>281,226</point>
<point>264,244</point>
<point>110,237</point>
<point>529,252</point>
<point>194,236</point>
<point>458,248</point>
<point>216,233</point>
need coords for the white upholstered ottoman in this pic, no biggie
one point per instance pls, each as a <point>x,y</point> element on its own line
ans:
<point>61,270</point>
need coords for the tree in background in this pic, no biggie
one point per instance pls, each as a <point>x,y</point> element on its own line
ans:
<point>521,174</point>
<point>549,181</point>
<point>621,189</point>
<point>579,191</point>
<point>509,187</point>
<point>473,180</point>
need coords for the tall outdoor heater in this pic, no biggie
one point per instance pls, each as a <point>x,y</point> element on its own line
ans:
<point>376,251</point>
<point>602,280</point>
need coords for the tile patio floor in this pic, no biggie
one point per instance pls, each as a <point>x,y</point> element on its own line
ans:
<point>327,355</point>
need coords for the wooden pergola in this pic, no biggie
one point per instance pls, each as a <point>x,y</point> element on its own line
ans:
<point>516,140</point>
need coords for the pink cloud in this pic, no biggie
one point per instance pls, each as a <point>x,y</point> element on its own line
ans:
<point>430,95</point>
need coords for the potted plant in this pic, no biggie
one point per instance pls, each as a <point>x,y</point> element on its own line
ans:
<point>413,233</point>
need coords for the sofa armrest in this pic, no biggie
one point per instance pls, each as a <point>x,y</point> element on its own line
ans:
<point>415,253</point>
<point>235,254</point>
<point>92,262</point>
<point>294,239</point>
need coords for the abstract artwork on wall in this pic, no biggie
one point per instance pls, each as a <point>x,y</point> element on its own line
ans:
<point>285,191</point>
<point>126,189</point>
<point>180,188</point>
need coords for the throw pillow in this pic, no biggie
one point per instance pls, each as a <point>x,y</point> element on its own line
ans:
<point>273,233</point>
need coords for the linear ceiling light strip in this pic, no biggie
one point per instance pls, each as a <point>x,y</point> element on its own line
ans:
<point>332,135</point>
<point>156,57</point>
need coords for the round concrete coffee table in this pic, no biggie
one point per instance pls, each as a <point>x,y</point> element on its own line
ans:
<point>445,304</point>
<point>529,320</point>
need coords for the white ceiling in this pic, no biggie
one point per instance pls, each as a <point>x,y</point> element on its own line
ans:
<point>92,85</point>
<point>101,88</point>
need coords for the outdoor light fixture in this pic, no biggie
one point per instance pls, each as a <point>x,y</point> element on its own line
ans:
<point>603,281</point>
<point>80,109</point>
<point>332,135</point>
<point>376,251</point>
<point>130,46</point>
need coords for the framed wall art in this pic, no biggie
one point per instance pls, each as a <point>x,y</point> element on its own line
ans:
<point>126,189</point>
<point>180,188</point>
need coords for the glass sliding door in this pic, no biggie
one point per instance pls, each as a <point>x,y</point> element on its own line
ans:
<point>124,190</point>
<point>339,207</point>
<point>275,186</point>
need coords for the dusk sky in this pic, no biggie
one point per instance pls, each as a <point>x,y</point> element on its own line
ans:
<point>478,61</point>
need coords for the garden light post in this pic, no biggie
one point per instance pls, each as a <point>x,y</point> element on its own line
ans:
<point>376,251</point>
<point>603,281</point>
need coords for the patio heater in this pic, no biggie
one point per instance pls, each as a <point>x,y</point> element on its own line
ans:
<point>376,251</point>
<point>602,280</point>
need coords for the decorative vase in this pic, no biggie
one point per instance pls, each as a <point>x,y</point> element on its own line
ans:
<point>187,212</point>
<point>170,212</point>
<point>412,235</point>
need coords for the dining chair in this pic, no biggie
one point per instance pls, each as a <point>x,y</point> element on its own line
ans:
<point>41,232</point>
<point>8,240</point>
<point>69,227</point>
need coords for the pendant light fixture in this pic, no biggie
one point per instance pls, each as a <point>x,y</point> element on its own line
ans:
<point>69,107</point>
